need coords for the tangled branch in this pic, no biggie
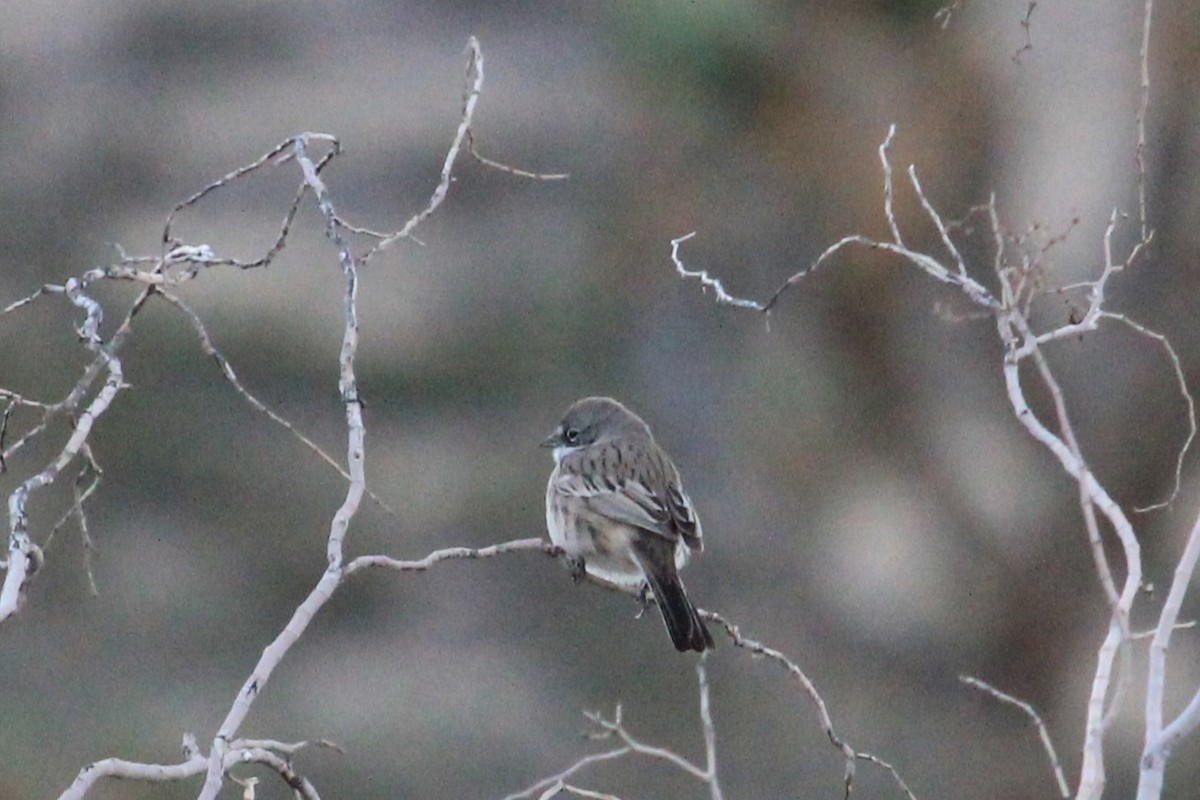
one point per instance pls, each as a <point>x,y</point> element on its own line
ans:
<point>1020,285</point>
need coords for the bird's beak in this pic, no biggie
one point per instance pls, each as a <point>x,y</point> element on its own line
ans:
<point>553,440</point>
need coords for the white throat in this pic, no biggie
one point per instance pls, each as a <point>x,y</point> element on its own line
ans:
<point>562,451</point>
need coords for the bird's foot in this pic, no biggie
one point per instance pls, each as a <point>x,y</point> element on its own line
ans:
<point>578,568</point>
<point>643,599</point>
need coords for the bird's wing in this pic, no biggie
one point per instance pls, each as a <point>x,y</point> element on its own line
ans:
<point>625,501</point>
<point>680,507</point>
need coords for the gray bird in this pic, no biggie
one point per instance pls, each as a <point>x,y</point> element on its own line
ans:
<point>614,504</point>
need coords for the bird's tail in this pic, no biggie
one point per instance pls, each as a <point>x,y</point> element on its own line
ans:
<point>684,625</point>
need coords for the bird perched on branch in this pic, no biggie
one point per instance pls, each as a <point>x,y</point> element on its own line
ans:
<point>615,505</point>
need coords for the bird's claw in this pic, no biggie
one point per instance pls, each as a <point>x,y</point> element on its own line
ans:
<point>578,568</point>
<point>643,599</point>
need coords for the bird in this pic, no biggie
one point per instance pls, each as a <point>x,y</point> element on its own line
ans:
<point>617,509</point>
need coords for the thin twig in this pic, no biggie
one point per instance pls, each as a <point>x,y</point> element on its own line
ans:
<point>888,186</point>
<point>1026,28</point>
<point>231,376</point>
<point>24,301</point>
<point>614,727</point>
<point>946,13</point>
<point>577,791</point>
<point>849,753</point>
<point>558,782</point>
<point>301,787</point>
<point>355,490</point>
<point>24,556</point>
<point>520,173</point>
<point>90,469</point>
<point>707,282</point>
<point>474,87</point>
<point>710,731</point>
<point>1178,626</point>
<point>1181,380</point>
<point>449,554</point>
<point>1047,745</point>
<point>1143,107</point>
<point>931,212</point>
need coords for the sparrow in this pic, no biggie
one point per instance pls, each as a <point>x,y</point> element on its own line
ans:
<point>615,506</point>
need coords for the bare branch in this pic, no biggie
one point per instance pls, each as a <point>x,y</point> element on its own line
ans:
<point>946,13</point>
<point>556,783</point>
<point>1178,626</point>
<point>1096,289</point>
<point>850,754</point>
<point>1181,380</point>
<point>707,282</point>
<point>560,787</point>
<point>24,554</point>
<point>1043,734</point>
<point>611,727</point>
<point>25,557</point>
<point>1143,107</point>
<point>710,733</point>
<point>1013,329</point>
<point>24,301</point>
<point>287,748</point>
<point>451,553</point>
<point>1019,285</point>
<point>356,435</point>
<point>1159,741</point>
<point>937,220</point>
<point>474,87</point>
<point>119,768</point>
<point>90,475</point>
<point>1025,28</point>
<point>231,376</point>
<point>520,173</point>
<point>888,190</point>
<point>300,785</point>
<point>175,251</point>
<point>614,726</point>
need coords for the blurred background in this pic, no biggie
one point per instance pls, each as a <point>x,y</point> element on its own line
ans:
<point>871,506</point>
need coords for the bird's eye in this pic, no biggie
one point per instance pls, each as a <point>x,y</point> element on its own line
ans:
<point>572,436</point>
